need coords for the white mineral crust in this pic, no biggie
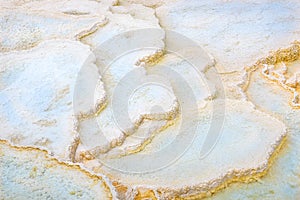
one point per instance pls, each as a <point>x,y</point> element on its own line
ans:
<point>114,125</point>
<point>37,91</point>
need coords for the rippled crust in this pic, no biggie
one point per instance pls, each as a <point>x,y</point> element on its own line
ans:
<point>246,133</point>
<point>31,173</point>
<point>234,176</point>
<point>37,91</point>
<point>37,28</point>
<point>281,66</point>
<point>53,38</point>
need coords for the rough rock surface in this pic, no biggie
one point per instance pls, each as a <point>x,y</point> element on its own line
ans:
<point>246,133</point>
<point>124,118</point>
<point>37,91</point>
<point>29,173</point>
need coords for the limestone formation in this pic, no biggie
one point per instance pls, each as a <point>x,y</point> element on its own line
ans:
<point>29,173</point>
<point>135,99</point>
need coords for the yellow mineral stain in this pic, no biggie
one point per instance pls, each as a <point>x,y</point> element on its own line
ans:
<point>55,161</point>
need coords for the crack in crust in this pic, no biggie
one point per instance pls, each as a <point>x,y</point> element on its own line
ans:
<point>279,74</point>
<point>106,182</point>
<point>93,29</point>
<point>208,189</point>
<point>170,116</point>
<point>151,59</point>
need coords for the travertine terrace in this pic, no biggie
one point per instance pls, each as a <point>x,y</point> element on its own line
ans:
<point>136,99</point>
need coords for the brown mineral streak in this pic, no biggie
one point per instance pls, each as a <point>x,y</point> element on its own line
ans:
<point>58,162</point>
<point>289,54</point>
<point>119,187</point>
<point>169,115</point>
<point>148,194</point>
<point>247,176</point>
<point>152,59</point>
<point>148,141</point>
<point>73,148</point>
<point>92,30</point>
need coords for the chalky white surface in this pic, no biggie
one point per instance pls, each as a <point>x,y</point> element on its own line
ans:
<point>45,43</point>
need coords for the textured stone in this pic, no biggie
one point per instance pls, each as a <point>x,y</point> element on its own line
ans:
<point>28,173</point>
<point>37,90</point>
<point>65,88</point>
